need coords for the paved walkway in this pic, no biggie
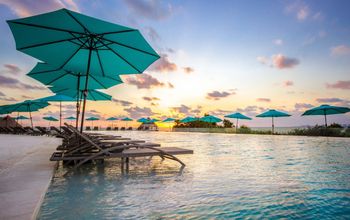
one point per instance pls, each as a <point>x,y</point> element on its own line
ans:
<point>25,174</point>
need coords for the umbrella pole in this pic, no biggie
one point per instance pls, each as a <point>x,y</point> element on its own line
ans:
<point>273,126</point>
<point>17,119</point>
<point>78,89</point>
<point>236,125</point>
<point>31,120</point>
<point>85,90</point>
<point>325,120</point>
<point>60,115</point>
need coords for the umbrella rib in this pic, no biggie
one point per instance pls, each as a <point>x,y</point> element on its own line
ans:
<point>133,48</point>
<point>47,43</point>
<point>122,58</point>
<point>72,55</point>
<point>57,78</point>
<point>94,98</point>
<point>98,82</point>
<point>45,27</point>
<point>118,32</point>
<point>99,61</point>
<point>70,14</point>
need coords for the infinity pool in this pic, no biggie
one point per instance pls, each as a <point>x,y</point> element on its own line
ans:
<point>228,176</point>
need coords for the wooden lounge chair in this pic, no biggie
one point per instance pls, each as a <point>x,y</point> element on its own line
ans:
<point>95,128</point>
<point>88,128</point>
<point>116,128</point>
<point>108,128</point>
<point>122,128</point>
<point>129,128</point>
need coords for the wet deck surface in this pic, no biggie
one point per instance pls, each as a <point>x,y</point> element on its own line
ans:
<point>25,172</point>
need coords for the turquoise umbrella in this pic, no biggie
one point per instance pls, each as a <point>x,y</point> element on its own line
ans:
<point>21,117</point>
<point>70,118</point>
<point>93,95</point>
<point>58,98</point>
<point>126,119</point>
<point>143,120</point>
<point>188,119</point>
<point>50,119</point>
<point>92,119</point>
<point>210,119</point>
<point>154,120</point>
<point>82,44</point>
<point>112,119</point>
<point>273,114</point>
<point>326,110</point>
<point>26,106</point>
<point>237,116</point>
<point>169,120</point>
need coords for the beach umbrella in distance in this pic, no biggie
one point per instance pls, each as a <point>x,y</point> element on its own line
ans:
<point>58,98</point>
<point>112,119</point>
<point>26,106</point>
<point>326,110</point>
<point>210,119</point>
<point>237,116</point>
<point>70,118</point>
<point>273,114</point>
<point>126,119</point>
<point>169,120</point>
<point>92,119</point>
<point>82,44</point>
<point>188,119</point>
<point>21,117</point>
<point>50,119</point>
<point>143,120</point>
<point>154,120</point>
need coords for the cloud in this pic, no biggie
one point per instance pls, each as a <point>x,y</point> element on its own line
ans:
<point>339,85</point>
<point>8,99</point>
<point>263,60</point>
<point>137,112</point>
<point>330,100</point>
<point>26,97</point>
<point>144,81</point>
<point>25,8</point>
<point>299,106</point>
<point>163,64</point>
<point>280,61</point>
<point>188,69</point>
<point>278,42</point>
<point>220,112</point>
<point>216,95</point>
<point>185,110</point>
<point>8,82</point>
<point>288,83</point>
<point>251,110</point>
<point>263,100</point>
<point>340,50</point>
<point>12,69</point>
<point>122,102</point>
<point>299,9</point>
<point>171,86</point>
<point>152,34</point>
<point>2,94</point>
<point>149,99</point>
<point>150,9</point>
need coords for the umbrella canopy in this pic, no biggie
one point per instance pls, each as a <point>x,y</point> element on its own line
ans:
<point>237,116</point>
<point>112,119</point>
<point>188,119</point>
<point>273,114</point>
<point>70,118</point>
<point>82,44</point>
<point>169,120</point>
<point>50,118</point>
<point>26,106</point>
<point>48,75</point>
<point>153,120</point>
<point>92,119</point>
<point>210,119</point>
<point>126,119</point>
<point>326,110</point>
<point>143,120</point>
<point>93,95</point>
<point>21,117</point>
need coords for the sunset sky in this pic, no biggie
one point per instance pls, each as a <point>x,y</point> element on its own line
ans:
<point>217,57</point>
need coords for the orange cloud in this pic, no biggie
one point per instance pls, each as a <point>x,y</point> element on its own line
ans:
<point>288,83</point>
<point>339,85</point>
<point>263,100</point>
<point>282,62</point>
<point>340,50</point>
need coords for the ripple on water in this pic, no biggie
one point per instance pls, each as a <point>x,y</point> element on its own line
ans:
<point>229,176</point>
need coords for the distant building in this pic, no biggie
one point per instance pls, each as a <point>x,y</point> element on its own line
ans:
<point>149,126</point>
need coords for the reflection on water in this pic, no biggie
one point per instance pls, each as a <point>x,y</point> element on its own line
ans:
<point>228,176</point>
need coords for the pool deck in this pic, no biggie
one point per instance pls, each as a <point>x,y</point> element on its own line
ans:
<point>25,172</point>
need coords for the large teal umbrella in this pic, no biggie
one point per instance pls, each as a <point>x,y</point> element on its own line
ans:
<point>58,98</point>
<point>237,116</point>
<point>26,106</point>
<point>273,114</point>
<point>82,44</point>
<point>92,119</point>
<point>210,119</point>
<point>93,95</point>
<point>326,110</point>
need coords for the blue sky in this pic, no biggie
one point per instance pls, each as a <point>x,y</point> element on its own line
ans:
<point>217,57</point>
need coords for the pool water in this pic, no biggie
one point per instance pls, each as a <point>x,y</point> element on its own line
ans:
<point>228,176</point>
